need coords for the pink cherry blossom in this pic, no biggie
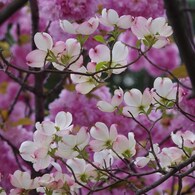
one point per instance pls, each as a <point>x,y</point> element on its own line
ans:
<point>104,138</point>
<point>137,102</point>
<point>111,18</point>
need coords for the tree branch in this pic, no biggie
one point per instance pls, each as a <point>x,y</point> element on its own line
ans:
<point>10,9</point>
<point>39,78</point>
<point>166,176</point>
<point>183,40</point>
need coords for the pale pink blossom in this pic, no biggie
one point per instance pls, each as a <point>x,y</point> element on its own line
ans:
<point>116,100</point>
<point>125,147</point>
<point>54,180</point>
<point>137,103</point>
<point>36,151</point>
<point>44,43</point>
<point>104,138</point>
<point>71,145</point>
<point>184,139</point>
<point>141,162</point>
<point>153,32</point>
<point>84,172</point>
<point>111,18</point>
<point>165,90</point>
<point>22,180</point>
<point>170,157</point>
<point>67,53</point>
<point>63,121</point>
<point>85,28</point>
<point>103,159</point>
<point>84,84</point>
<point>101,53</point>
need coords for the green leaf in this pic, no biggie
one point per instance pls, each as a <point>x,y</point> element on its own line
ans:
<point>111,39</point>
<point>101,66</point>
<point>138,44</point>
<point>99,38</point>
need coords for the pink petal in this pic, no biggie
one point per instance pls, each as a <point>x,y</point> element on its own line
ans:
<point>141,162</point>
<point>133,97</point>
<point>85,87</point>
<point>133,110</point>
<point>100,131</point>
<point>146,98</point>
<point>112,16</point>
<point>101,53</point>
<point>139,27</point>
<point>77,165</point>
<point>88,27</point>
<point>120,52</point>
<point>125,22</point>
<point>105,106</point>
<point>63,120</point>
<point>67,27</point>
<point>113,132</point>
<point>43,41</point>
<point>36,58</point>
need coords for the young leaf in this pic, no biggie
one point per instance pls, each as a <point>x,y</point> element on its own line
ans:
<point>99,38</point>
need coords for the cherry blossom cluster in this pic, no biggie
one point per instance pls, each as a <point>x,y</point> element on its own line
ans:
<point>109,57</point>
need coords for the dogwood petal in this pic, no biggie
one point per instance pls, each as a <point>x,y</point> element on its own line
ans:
<point>129,109</point>
<point>146,98</point>
<point>100,131</point>
<point>141,162</point>
<point>105,106</point>
<point>77,165</point>
<point>163,86</point>
<point>139,27</point>
<point>113,132</point>
<point>85,88</point>
<point>101,53</point>
<point>112,16</point>
<point>119,52</point>
<point>36,58</point>
<point>46,127</point>
<point>67,27</point>
<point>43,41</point>
<point>125,22</point>
<point>133,97</point>
<point>88,27</point>
<point>97,145</point>
<point>63,120</point>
